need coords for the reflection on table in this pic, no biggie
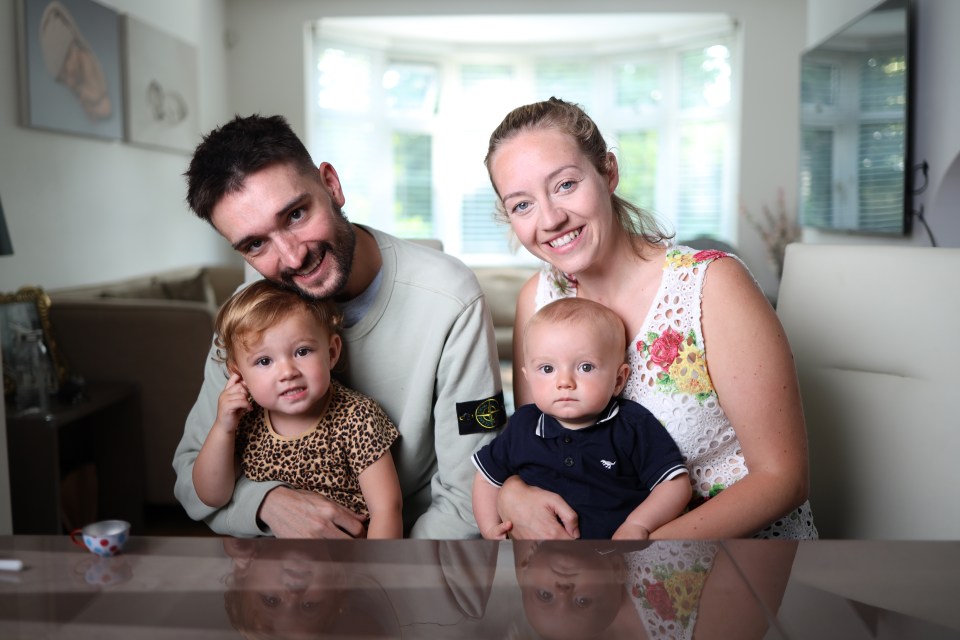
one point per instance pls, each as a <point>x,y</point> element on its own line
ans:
<point>265,588</point>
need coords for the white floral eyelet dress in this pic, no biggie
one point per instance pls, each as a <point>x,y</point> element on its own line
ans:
<point>669,377</point>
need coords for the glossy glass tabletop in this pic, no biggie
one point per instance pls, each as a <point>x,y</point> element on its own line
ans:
<point>170,587</point>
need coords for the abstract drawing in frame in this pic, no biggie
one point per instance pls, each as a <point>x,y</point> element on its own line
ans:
<point>161,88</point>
<point>70,68</point>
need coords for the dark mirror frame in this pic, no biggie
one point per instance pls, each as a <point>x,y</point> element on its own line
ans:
<point>856,161</point>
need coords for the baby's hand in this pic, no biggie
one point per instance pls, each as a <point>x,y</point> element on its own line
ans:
<point>498,532</point>
<point>234,402</point>
<point>628,531</point>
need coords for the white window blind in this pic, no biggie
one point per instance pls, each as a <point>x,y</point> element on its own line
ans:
<point>407,130</point>
<point>852,160</point>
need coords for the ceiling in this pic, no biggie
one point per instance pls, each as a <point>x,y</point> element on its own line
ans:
<point>522,30</point>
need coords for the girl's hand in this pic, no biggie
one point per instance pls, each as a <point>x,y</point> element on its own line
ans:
<point>234,402</point>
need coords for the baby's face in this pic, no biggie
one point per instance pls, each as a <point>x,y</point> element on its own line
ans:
<point>572,370</point>
<point>570,591</point>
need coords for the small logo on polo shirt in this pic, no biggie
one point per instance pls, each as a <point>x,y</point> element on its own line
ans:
<point>608,464</point>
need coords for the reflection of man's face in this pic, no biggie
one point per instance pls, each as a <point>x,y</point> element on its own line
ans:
<point>570,591</point>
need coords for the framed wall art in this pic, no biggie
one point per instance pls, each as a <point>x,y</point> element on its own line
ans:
<point>27,310</point>
<point>70,67</point>
<point>160,74</point>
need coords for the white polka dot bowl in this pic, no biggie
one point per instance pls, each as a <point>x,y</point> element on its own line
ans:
<point>105,538</point>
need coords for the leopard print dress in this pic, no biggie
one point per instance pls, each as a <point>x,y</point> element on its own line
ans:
<point>353,434</point>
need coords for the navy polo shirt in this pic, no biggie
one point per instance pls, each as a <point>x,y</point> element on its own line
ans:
<point>603,471</point>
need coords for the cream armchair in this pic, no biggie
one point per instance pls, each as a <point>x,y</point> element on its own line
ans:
<point>874,333</point>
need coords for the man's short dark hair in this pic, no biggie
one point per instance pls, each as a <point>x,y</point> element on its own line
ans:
<point>228,154</point>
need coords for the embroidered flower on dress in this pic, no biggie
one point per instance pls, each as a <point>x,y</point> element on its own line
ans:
<point>562,282</point>
<point>672,594</point>
<point>677,259</point>
<point>683,366</point>
<point>689,371</point>
<point>698,499</point>
<point>708,254</point>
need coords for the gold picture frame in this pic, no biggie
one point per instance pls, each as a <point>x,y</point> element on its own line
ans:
<point>29,307</point>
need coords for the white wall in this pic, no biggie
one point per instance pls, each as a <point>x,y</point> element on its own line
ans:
<point>83,210</point>
<point>271,79</point>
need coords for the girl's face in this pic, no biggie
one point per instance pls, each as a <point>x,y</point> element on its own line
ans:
<point>558,204</point>
<point>288,369</point>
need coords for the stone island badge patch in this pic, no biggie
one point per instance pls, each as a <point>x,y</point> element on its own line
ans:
<point>480,416</point>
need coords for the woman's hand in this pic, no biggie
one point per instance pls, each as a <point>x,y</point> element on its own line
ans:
<point>536,514</point>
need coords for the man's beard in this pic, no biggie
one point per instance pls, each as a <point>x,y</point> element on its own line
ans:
<point>340,252</point>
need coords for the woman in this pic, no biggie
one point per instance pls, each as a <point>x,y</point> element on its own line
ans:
<point>739,411</point>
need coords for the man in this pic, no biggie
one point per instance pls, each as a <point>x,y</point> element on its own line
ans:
<point>418,337</point>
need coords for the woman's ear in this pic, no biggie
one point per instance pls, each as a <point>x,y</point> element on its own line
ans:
<point>613,172</point>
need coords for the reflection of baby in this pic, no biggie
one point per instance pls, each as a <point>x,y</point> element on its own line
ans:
<point>70,60</point>
<point>569,590</point>
<point>621,589</point>
<point>293,589</point>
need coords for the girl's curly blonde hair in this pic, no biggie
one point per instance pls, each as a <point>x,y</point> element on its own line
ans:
<point>243,318</point>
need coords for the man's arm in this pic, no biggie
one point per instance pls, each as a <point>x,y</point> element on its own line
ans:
<point>468,375</point>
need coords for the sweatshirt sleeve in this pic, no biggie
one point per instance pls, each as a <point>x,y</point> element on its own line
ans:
<point>468,412</point>
<point>239,516</point>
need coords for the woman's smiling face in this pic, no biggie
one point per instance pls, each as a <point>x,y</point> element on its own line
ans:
<point>557,202</point>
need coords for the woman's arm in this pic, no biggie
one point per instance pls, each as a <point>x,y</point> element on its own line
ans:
<point>381,491</point>
<point>752,370</point>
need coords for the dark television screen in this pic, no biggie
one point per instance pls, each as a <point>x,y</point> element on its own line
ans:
<point>855,125</point>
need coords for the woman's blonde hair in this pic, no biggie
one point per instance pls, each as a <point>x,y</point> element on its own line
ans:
<point>571,119</point>
<point>243,318</point>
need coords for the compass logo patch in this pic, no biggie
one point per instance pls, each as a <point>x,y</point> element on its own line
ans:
<point>480,416</point>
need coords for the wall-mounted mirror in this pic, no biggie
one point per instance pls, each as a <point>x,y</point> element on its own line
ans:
<point>855,162</point>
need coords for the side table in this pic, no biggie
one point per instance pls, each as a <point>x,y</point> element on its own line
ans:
<point>103,430</point>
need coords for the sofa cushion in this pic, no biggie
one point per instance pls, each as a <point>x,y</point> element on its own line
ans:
<point>191,284</point>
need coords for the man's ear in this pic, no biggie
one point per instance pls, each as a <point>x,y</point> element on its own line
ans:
<point>336,347</point>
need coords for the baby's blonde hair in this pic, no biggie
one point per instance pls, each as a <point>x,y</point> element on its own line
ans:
<point>243,318</point>
<point>583,311</point>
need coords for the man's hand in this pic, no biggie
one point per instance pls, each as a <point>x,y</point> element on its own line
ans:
<point>536,514</point>
<point>292,513</point>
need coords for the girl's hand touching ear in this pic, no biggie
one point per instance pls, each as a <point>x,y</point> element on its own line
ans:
<point>234,402</point>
